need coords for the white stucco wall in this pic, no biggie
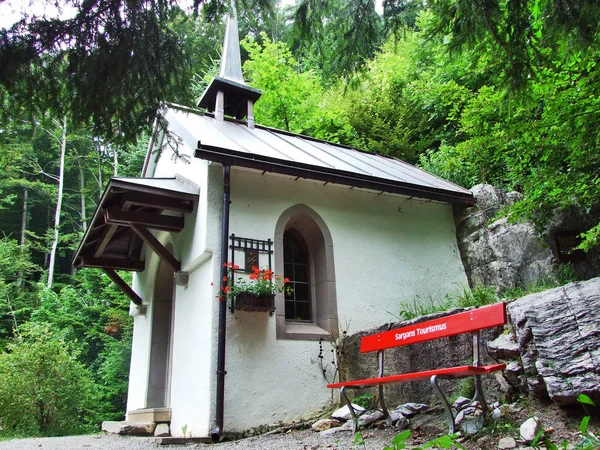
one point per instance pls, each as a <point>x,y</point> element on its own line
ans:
<point>193,305</point>
<point>387,249</point>
<point>143,285</point>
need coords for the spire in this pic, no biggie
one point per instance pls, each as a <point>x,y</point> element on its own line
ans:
<point>228,94</point>
<point>231,61</point>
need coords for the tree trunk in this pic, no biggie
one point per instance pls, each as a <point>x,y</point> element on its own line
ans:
<point>24,215</point>
<point>82,197</point>
<point>115,162</point>
<point>61,181</point>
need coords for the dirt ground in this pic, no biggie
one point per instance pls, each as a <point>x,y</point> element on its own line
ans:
<point>561,425</point>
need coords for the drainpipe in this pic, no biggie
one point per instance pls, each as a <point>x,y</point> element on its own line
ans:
<point>218,430</point>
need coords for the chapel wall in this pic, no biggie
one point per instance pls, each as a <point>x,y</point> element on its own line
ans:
<point>387,249</point>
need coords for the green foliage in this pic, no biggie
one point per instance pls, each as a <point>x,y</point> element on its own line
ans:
<point>418,307</point>
<point>90,316</point>
<point>465,298</point>
<point>363,400</point>
<point>399,442</point>
<point>563,274</point>
<point>15,306</point>
<point>337,36</point>
<point>112,378</point>
<point>44,389</point>
<point>465,387</point>
<point>290,99</point>
<point>478,296</point>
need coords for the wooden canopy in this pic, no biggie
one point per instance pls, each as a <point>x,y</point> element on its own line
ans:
<point>128,210</point>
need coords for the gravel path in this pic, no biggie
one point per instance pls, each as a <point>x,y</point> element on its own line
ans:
<point>295,440</point>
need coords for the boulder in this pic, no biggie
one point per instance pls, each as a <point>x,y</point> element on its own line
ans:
<point>558,333</point>
<point>407,411</point>
<point>398,420</point>
<point>417,407</point>
<point>501,253</point>
<point>325,424</point>
<point>470,420</point>
<point>530,429</point>
<point>460,402</point>
<point>504,347</point>
<point>513,371</point>
<point>367,419</point>
<point>345,414</point>
<point>506,443</point>
<point>497,414</point>
<point>131,428</point>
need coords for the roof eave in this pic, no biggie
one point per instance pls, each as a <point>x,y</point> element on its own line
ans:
<point>307,171</point>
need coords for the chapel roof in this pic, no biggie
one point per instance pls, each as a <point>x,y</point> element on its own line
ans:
<point>272,150</point>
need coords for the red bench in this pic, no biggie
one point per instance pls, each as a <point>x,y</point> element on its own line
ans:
<point>471,321</point>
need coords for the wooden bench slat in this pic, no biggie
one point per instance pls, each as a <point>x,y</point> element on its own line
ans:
<point>460,371</point>
<point>468,321</point>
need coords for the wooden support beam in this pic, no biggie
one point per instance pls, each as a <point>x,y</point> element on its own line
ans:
<point>156,201</point>
<point>115,216</point>
<point>112,263</point>
<point>114,276</point>
<point>155,245</point>
<point>107,234</point>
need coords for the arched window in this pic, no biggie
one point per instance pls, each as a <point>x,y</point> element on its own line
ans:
<point>304,254</point>
<point>296,268</point>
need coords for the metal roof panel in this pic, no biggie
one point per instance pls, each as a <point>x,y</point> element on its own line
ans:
<point>279,149</point>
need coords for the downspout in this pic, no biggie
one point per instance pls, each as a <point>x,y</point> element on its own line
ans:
<point>220,400</point>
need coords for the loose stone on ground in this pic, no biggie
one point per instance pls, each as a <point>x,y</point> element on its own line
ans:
<point>129,428</point>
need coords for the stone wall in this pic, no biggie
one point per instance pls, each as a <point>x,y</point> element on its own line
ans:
<point>551,346</point>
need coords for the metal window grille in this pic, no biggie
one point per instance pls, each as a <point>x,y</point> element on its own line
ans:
<point>252,249</point>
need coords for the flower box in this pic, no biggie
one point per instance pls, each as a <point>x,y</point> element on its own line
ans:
<point>247,301</point>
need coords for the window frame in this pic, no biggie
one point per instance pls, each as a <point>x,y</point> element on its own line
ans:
<point>319,245</point>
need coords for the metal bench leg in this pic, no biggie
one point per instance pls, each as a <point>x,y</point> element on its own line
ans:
<point>384,409</point>
<point>354,418</point>
<point>445,404</point>
<point>479,394</point>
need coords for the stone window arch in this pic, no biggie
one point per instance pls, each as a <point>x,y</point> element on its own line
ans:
<point>302,226</point>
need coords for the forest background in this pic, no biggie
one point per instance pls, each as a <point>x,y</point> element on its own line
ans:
<point>502,92</point>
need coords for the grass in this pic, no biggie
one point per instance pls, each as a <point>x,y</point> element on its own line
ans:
<point>483,295</point>
<point>478,296</point>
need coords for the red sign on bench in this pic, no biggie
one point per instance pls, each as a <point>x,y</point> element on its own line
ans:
<point>468,321</point>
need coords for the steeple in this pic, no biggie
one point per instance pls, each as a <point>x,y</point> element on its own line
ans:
<point>228,94</point>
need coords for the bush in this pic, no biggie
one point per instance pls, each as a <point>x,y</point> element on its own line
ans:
<point>44,389</point>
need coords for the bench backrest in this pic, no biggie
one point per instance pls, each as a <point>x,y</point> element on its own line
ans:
<point>469,321</point>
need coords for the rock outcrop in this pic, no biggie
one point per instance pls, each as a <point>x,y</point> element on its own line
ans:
<point>500,253</point>
<point>558,334</point>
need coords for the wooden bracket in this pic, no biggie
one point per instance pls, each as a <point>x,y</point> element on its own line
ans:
<point>114,276</point>
<point>155,245</point>
<point>115,216</point>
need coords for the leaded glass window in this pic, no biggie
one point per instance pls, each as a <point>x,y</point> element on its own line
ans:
<point>296,268</point>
